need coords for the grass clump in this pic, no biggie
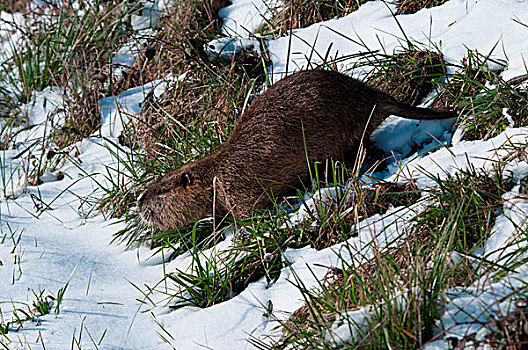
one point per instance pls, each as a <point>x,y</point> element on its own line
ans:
<point>206,100</point>
<point>13,6</point>
<point>408,76</point>
<point>479,198</point>
<point>177,43</point>
<point>399,288</point>
<point>335,218</point>
<point>413,6</point>
<point>42,305</point>
<point>254,254</point>
<point>72,49</point>
<point>488,104</point>
<point>494,109</point>
<point>293,14</point>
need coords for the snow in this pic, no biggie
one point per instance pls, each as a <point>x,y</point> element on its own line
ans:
<point>116,111</point>
<point>50,236</point>
<point>490,27</point>
<point>65,240</point>
<point>242,18</point>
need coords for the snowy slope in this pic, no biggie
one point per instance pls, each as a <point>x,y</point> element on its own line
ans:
<point>104,298</point>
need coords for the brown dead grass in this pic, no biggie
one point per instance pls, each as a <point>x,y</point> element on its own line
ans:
<point>408,76</point>
<point>176,47</point>
<point>413,6</point>
<point>177,44</point>
<point>82,118</point>
<point>207,97</point>
<point>303,13</point>
<point>212,93</point>
<point>378,198</point>
<point>13,6</point>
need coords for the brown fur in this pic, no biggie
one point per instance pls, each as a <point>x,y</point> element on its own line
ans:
<point>265,154</point>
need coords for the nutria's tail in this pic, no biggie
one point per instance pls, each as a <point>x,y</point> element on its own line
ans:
<point>409,112</point>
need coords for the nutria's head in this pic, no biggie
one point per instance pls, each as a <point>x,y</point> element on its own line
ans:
<point>181,196</point>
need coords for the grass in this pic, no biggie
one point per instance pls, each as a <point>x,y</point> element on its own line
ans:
<point>73,50</point>
<point>43,304</point>
<point>409,76</point>
<point>487,103</point>
<point>413,6</point>
<point>226,273</point>
<point>478,195</point>
<point>404,283</point>
<point>301,13</point>
<point>508,328</point>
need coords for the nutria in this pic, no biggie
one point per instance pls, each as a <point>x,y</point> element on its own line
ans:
<point>314,114</point>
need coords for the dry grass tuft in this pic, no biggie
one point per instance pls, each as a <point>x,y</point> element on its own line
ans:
<point>295,14</point>
<point>82,118</point>
<point>13,6</point>
<point>204,99</point>
<point>408,76</point>
<point>381,195</point>
<point>413,6</point>
<point>177,45</point>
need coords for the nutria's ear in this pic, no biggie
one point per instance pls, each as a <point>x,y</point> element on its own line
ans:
<point>186,179</point>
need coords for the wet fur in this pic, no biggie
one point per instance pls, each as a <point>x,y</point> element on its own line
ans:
<point>265,156</point>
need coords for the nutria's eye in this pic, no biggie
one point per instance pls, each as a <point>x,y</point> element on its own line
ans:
<point>185,180</point>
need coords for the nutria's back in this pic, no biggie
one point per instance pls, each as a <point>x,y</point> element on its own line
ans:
<point>307,117</point>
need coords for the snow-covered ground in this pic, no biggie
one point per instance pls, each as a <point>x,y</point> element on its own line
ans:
<point>51,238</point>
